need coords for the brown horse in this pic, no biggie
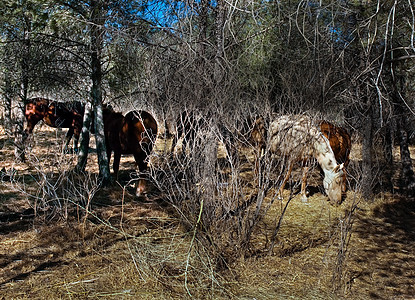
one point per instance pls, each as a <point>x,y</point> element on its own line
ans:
<point>55,114</point>
<point>133,134</point>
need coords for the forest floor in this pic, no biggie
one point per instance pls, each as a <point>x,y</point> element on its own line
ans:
<point>128,248</point>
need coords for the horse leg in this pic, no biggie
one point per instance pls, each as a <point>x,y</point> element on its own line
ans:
<point>28,130</point>
<point>68,138</point>
<point>116,163</point>
<point>287,176</point>
<point>142,168</point>
<point>75,143</point>
<point>76,135</point>
<point>26,133</point>
<point>30,126</point>
<point>304,184</point>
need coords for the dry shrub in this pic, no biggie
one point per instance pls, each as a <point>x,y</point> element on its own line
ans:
<point>221,186</point>
<point>47,179</point>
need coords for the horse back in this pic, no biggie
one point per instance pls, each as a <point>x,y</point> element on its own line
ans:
<point>57,115</point>
<point>294,136</point>
<point>139,129</point>
<point>40,103</point>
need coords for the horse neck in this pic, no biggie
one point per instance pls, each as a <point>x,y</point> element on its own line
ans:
<point>323,152</point>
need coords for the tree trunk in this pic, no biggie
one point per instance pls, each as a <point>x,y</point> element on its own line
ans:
<point>97,32</point>
<point>7,100</point>
<point>408,175</point>
<point>7,103</point>
<point>210,144</point>
<point>103,162</point>
<point>19,150</point>
<point>367,159</point>
<point>84,143</point>
<point>399,85</point>
<point>209,158</point>
<point>204,25</point>
<point>388,156</point>
<point>220,42</point>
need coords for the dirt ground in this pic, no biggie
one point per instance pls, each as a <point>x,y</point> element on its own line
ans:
<point>128,248</point>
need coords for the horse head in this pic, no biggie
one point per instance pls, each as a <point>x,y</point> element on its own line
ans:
<point>35,110</point>
<point>333,182</point>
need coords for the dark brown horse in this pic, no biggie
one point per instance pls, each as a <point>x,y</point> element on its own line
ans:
<point>55,114</point>
<point>133,134</point>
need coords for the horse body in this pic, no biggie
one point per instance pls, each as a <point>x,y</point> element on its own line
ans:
<point>55,114</point>
<point>297,138</point>
<point>133,134</point>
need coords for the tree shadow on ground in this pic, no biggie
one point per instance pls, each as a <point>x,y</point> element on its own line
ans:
<point>386,265</point>
<point>53,242</point>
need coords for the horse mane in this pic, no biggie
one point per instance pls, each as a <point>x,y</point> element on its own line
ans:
<point>37,100</point>
<point>339,140</point>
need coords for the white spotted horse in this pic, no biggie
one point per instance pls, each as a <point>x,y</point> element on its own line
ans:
<point>297,138</point>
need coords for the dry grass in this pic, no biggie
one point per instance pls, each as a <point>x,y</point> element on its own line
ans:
<point>133,249</point>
